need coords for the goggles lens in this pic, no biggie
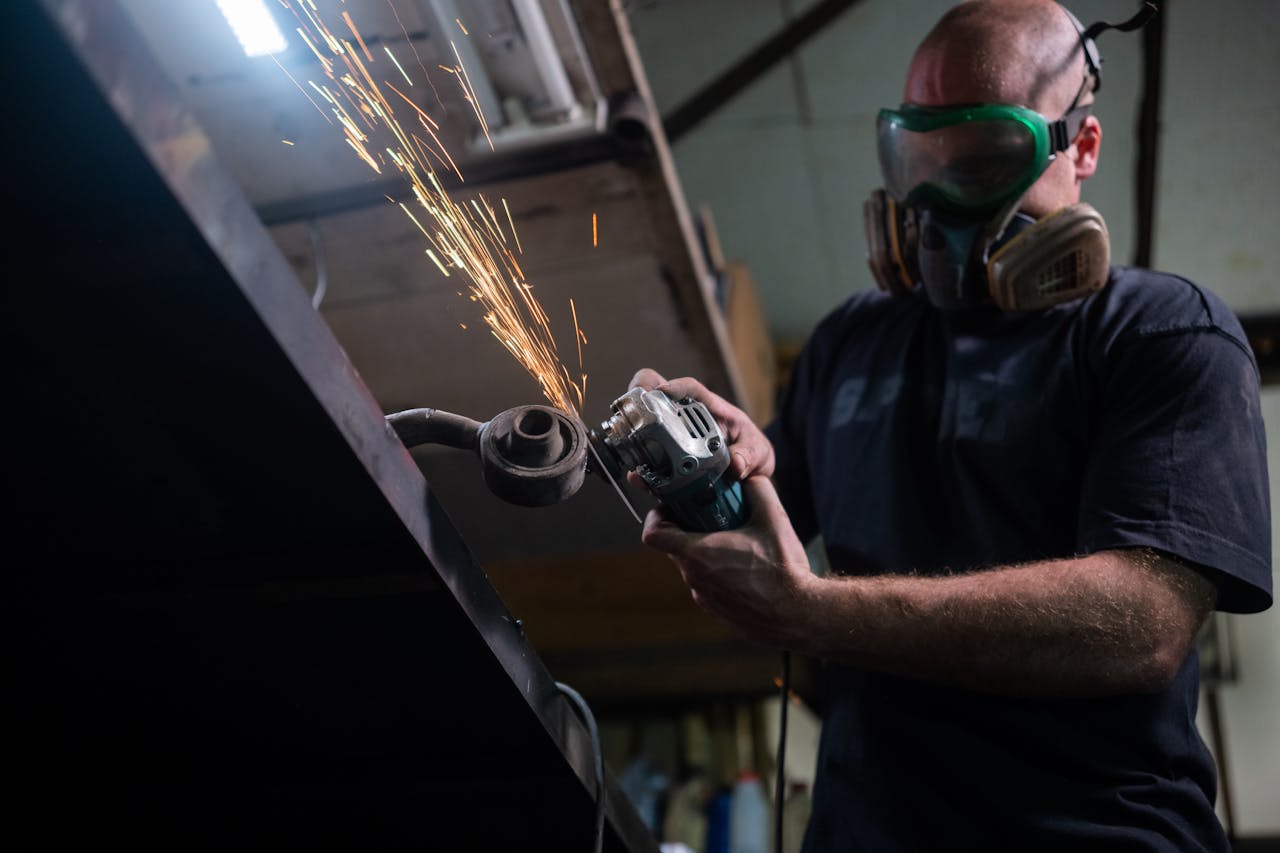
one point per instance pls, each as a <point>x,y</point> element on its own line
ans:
<point>963,159</point>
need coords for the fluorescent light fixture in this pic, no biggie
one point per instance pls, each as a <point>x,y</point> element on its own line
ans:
<point>253,26</point>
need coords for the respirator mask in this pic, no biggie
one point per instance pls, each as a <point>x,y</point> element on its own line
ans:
<point>947,218</point>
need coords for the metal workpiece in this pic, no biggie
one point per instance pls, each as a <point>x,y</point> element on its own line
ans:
<point>529,455</point>
<point>433,426</point>
<point>534,455</point>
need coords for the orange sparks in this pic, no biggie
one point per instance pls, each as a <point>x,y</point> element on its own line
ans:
<point>422,146</point>
<point>346,16</point>
<point>302,90</point>
<point>328,66</point>
<point>462,27</point>
<point>404,30</point>
<point>287,141</point>
<point>469,93</point>
<point>595,232</point>
<point>397,64</point>
<point>436,261</point>
<point>513,226</point>
<point>578,337</point>
<point>467,237</point>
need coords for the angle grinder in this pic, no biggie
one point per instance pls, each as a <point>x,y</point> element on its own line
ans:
<point>679,452</point>
<point>538,455</point>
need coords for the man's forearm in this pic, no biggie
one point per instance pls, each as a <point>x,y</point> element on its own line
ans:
<point>1113,622</point>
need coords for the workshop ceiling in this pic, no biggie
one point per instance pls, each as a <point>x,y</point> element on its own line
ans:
<point>272,126</point>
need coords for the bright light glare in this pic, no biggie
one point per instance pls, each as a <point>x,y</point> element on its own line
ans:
<point>253,26</point>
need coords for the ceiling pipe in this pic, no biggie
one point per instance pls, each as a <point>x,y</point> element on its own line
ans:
<point>751,67</point>
<point>1149,134</point>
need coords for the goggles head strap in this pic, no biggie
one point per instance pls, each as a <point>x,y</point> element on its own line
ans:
<point>1063,131</point>
<point>1091,32</point>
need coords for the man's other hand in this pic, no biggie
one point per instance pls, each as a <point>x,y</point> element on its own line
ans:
<point>755,577</point>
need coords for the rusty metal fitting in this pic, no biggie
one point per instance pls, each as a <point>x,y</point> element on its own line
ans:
<point>534,455</point>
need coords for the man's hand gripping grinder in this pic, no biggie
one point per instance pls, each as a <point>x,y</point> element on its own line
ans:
<point>676,448</point>
<point>538,455</point>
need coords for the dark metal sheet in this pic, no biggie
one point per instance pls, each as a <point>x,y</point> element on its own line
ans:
<point>239,618</point>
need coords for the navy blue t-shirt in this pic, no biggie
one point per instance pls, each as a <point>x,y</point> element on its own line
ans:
<point>921,441</point>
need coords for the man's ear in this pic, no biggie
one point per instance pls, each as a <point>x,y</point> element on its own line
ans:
<point>1087,147</point>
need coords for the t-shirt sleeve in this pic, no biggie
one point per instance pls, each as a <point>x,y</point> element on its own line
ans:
<point>1178,462</point>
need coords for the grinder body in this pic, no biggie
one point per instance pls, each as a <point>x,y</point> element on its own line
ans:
<point>679,452</point>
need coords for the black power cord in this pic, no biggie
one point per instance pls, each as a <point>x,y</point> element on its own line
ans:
<point>322,276</point>
<point>779,795</point>
<point>779,785</point>
<point>597,756</point>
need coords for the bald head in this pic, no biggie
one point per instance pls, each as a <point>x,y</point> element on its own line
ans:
<point>1024,52</point>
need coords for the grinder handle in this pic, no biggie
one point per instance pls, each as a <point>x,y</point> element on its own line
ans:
<point>708,507</point>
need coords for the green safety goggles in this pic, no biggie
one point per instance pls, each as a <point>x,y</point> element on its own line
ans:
<point>971,159</point>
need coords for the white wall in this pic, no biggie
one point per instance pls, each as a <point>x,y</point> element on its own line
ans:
<point>1249,708</point>
<point>1217,223</point>
<point>1219,177</point>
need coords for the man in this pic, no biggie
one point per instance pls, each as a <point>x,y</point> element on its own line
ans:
<point>1028,514</point>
